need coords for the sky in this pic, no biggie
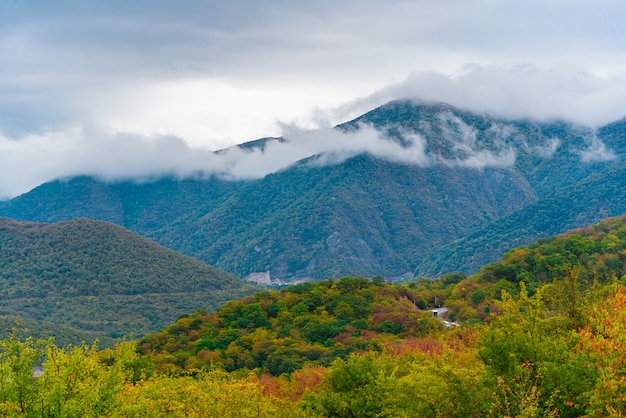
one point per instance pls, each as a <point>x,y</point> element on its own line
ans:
<point>138,88</point>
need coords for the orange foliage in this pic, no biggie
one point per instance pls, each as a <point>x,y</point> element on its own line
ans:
<point>294,386</point>
<point>429,346</point>
<point>209,356</point>
<point>432,347</point>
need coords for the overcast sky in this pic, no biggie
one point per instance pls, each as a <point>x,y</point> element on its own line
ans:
<point>121,84</point>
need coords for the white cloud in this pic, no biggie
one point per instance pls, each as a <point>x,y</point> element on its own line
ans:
<point>514,92</point>
<point>211,113</point>
<point>596,151</point>
<point>546,150</point>
<point>34,159</point>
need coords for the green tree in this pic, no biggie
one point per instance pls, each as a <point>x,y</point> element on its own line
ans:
<point>361,386</point>
<point>18,389</point>
<point>529,354</point>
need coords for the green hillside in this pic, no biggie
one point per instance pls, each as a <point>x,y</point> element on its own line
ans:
<point>568,264</point>
<point>600,195</point>
<point>101,278</point>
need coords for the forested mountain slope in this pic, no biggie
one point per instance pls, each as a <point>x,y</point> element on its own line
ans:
<point>364,216</point>
<point>141,206</point>
<point>601,194</point>
<point>99,277</point>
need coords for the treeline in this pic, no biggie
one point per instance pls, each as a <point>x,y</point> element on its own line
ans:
<point>595,254</point>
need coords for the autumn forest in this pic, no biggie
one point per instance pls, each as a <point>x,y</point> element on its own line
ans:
<point>540,333</point>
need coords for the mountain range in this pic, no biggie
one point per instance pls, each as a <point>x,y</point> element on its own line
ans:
<point>439,190</point>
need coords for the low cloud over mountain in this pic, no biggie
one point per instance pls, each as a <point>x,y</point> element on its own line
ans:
<point>34,159</point>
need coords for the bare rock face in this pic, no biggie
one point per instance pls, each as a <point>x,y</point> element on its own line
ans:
<point>262,278</point>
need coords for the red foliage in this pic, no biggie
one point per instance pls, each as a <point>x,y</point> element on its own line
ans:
<point>428,346</point>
